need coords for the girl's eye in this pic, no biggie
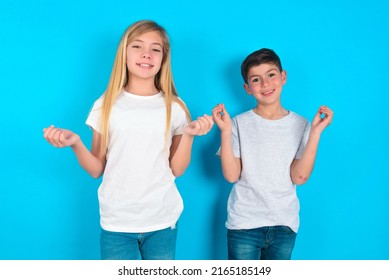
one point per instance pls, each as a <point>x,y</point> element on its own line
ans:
<point>136,47</point>
<point>157,50</point>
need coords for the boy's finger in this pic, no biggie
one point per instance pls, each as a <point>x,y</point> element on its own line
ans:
<point>215,111</point>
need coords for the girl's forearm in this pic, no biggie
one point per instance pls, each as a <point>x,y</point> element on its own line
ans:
<point>91,163</point>
<point>181,158</point>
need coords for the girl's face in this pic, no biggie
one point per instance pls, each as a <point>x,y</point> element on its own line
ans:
<point>265,83</point>
<point>144,56</point>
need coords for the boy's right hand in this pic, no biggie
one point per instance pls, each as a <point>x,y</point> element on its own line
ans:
<point>222,118</point>
<point>60,137</point>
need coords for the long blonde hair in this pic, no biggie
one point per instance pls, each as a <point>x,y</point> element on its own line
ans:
<point>119,78</point>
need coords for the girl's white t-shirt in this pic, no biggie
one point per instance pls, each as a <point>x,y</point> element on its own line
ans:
<point>138,193</point>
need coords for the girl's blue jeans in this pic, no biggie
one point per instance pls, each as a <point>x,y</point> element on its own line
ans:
<point>264,243</point>
<point>155,245</point>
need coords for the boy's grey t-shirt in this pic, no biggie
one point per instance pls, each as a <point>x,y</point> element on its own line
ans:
<point>265,195</point>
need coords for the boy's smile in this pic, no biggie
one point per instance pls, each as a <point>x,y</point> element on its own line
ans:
<point>265,83</point>
<point>268,93</point>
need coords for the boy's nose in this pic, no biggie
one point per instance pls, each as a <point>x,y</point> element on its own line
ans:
<point>265,82</point>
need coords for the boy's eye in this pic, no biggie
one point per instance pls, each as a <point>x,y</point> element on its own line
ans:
<point>255,80</point>
<point>271,75</point>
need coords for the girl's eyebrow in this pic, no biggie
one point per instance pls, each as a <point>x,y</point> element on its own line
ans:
<point>154,43</point>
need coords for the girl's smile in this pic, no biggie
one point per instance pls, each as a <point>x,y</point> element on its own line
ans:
<point>144,56</point>
<point>145,65</point>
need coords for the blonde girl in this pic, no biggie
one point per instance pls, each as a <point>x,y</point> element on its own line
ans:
<point>142,140</point>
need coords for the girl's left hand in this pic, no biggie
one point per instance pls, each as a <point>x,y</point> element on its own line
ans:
<point>319,123</point>
<point>201,126</point>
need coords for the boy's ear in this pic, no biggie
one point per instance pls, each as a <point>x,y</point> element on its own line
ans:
<point>247,88</point>
<point>283,77</point>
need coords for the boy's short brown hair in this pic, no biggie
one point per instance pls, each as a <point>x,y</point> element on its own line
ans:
<point>258,57</point>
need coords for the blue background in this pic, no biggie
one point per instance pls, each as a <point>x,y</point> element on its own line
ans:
<point>56,60</point>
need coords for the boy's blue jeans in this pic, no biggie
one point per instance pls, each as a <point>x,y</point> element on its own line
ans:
<point>155,245</point>
<point>264,243</point>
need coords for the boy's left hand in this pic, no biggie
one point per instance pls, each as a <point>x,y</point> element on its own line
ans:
<point>201,126</point>
<point>319,123</point>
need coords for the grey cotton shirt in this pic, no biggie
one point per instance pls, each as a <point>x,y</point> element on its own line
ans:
<point>265,195</point>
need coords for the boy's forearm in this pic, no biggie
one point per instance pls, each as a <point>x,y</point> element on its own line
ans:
<point>87,160</point>
<point>302,170</point>
<point>181,159</point>
<point>230,165</point>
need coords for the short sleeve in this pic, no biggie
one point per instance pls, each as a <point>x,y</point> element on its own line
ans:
<point>93,119</point>
<point>304,141</point>
<point>235,139</point>
<point>179,122</point>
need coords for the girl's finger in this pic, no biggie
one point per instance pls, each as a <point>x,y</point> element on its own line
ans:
<point>49,135</point>
<point>47,130</point>
<point>208,119</point>
<point>202,125</point>
<point>55,137</point>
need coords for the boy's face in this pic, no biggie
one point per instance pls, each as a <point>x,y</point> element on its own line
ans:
<point>265,83</point>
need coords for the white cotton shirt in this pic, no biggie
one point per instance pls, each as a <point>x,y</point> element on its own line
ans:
<point>138,193</point>
<point>265,195</point>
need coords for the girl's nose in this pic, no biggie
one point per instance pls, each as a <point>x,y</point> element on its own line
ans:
<point>146,54</point>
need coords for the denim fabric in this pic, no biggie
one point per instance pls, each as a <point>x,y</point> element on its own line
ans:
<point>156,245</point>
<point>264,243</point>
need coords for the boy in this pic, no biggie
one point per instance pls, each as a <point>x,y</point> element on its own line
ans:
<point>266,152</point>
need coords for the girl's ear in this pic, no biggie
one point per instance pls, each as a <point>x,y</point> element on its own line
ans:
<point>247,88</point>
<point>283,77</point>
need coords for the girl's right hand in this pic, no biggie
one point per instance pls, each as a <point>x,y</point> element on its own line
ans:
<point>222,118</point>
<point>60,137</point>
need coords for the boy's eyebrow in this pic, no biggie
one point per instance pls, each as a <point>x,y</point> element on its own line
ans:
<point>252,76</point>
<point>257,75</point>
